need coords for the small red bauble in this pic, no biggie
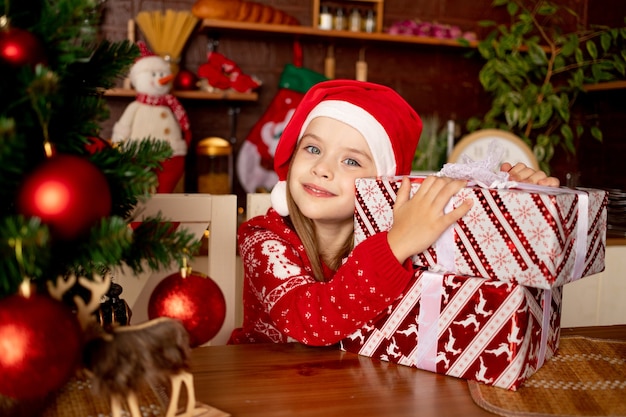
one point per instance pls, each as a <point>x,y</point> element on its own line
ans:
<point>185,80</point>
<point>68,193</point>
<point>19,47</point>
<point>96,144</point>
<point>196,300</point>
<point>40,345</point>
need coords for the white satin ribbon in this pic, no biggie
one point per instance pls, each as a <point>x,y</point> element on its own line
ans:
<point>428,321</point>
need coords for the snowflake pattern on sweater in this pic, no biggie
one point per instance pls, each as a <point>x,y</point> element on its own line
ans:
<point>284,303</point>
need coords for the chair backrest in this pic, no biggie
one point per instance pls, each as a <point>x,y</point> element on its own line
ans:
<point>199,213</point>
<point>257,204</point>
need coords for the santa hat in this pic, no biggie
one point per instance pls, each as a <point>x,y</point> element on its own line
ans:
<point>387,122</point>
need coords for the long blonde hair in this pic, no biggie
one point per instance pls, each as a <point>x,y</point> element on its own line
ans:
<point>305,228</point>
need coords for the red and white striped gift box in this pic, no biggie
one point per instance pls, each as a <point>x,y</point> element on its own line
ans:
<point>490,331</point>
<point>536,236</point>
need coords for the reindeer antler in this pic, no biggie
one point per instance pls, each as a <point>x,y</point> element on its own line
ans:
<point>99,286</point>
<point>61,286</point>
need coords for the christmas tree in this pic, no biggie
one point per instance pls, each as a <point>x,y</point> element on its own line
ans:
<point>67,196</point>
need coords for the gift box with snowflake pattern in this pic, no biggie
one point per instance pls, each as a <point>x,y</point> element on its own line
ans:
<point>490,331</point>
<point>536,236</point>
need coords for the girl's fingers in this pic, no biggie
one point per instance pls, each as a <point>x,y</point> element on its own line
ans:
<point>550,182</point>
<point>403,192</point>
<point>523,173</point>
<point>506,167</point>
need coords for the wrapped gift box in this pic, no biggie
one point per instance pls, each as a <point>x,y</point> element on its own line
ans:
<point>536,236</point>
<point>490,331</point>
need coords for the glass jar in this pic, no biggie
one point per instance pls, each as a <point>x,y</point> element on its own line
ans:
<point>340,22</point>
<point>326,18</point>
<point>355,20</point>
<point>370,21</point>
<point>214,163</point>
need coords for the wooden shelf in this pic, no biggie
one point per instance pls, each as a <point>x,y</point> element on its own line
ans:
<point>193,95</point>
<point>615,241</point>
<point>609,85</point>
<point>308,31</point>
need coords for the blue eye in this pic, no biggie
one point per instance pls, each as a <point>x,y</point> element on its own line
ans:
<point>352,162</point>
<point>312,149</point>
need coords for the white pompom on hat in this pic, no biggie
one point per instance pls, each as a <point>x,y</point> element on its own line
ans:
<point>387,122</point>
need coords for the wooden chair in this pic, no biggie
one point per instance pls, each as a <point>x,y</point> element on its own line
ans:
<point>257,204</point>
<point>200,214</point>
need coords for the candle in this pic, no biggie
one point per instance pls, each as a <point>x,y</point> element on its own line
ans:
<point>450,136</point>
<point>329,63</point>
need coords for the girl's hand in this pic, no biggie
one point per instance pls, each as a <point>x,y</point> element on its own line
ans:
<point>523,173</point>
<point>419,221</point>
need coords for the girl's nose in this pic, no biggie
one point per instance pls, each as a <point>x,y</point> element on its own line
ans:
<point>322,169</point>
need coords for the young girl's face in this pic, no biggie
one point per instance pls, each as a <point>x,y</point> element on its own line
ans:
<point>327,160</point>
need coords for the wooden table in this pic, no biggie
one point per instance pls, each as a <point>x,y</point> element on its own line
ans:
<point>295,380</point>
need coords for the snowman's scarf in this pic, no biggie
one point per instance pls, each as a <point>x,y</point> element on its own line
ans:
<point>174,105</point>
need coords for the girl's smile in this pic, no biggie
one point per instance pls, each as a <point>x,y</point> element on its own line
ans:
<point>316,191</point>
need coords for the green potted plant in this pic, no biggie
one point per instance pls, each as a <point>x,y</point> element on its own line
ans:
<point>431,151</point>
<point>535,69</point>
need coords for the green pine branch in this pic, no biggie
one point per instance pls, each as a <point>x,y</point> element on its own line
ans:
<point>155,243</point>
<point>62,102</point>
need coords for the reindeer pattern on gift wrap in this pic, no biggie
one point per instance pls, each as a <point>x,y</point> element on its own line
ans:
<point>487,330</point>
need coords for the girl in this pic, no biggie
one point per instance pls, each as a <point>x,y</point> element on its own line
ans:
<point>303,280</point>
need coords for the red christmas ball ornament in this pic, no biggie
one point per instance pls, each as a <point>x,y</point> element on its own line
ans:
<point>19,47</point>
<point>68,193</point>
<point>96,144</point>
<point>185,80</point>
<point>40,345</point>
<point>196,300</point>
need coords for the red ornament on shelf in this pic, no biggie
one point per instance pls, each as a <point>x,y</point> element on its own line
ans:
<point>40,345</point>
<point>196,300</point>
<point>68,193</point>
<point>19,47</point>
<point>185,80</point>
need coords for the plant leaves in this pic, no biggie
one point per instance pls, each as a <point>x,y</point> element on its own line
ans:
<point>546,9</point>
<point>596,133</point>
<point>570,45</point>
<point>486,23</point>
<point>592,49</point>
<point>538,55</point>
<point>605,41</point>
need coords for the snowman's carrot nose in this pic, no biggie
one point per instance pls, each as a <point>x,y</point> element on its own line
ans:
<point>166,79</point>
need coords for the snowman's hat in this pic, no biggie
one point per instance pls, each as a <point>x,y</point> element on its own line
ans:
<point>146,61</point>
<point>144,50</point>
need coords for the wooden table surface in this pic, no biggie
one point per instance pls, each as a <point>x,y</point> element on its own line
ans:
<point>295,380</point>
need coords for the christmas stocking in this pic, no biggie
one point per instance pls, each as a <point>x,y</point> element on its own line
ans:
<point>255,162</point>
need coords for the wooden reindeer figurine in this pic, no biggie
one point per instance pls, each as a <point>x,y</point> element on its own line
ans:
<point>123,359</point>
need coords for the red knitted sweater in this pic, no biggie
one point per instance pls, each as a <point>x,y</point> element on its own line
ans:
<point>283,302</point>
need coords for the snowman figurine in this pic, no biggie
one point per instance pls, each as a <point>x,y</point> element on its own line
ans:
<point>156,114</point>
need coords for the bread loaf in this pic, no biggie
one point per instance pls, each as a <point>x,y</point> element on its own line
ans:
<point>241,11</point>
